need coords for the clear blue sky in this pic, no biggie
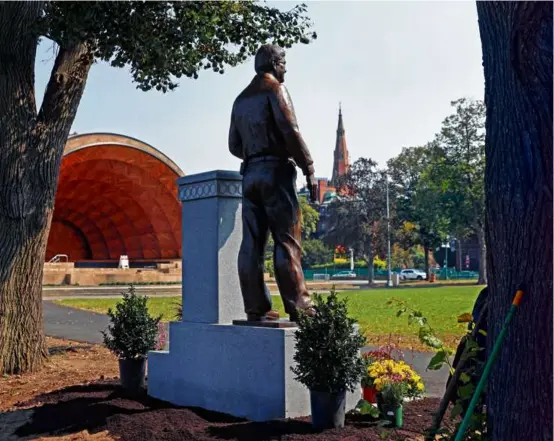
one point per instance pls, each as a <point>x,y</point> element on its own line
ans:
<point>395,66</point>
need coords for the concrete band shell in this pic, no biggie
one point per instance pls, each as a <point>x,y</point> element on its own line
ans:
<point>116,195</point>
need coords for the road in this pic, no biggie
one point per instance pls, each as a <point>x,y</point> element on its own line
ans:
<point>85,326</point>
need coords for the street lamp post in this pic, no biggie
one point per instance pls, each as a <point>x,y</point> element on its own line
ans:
<point>389,275</point>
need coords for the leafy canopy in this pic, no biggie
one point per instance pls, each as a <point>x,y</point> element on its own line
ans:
<point>163,41</point>
<point>417,201</point>
<point>310,218</point>
<point>459,172</point>
<point>355,220</point>
<point>315,252</point>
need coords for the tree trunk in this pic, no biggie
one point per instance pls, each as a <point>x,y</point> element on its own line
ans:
<point>427,267</point>
<point>517,59</point>
<point>482,257</point>
<point>459,257</point>
<point>31,148</point>
<point>370,258</point>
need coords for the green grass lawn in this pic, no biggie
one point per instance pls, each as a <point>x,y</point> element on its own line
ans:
<point>441,305</point>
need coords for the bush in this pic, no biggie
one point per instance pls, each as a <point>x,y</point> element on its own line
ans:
<point>345,265</point>
<point>315,252</point>
<point>133,332</point>
<point>269,268</point>
<point>328,348</point>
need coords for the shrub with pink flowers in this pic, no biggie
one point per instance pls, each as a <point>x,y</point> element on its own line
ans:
<point>162,337</point>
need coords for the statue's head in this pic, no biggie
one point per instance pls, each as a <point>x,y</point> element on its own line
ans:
<point>270,58</point>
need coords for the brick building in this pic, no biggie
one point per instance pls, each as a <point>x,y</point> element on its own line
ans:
<point>327,188</point>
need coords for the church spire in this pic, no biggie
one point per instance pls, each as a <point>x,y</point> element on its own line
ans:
<point>341,160</point>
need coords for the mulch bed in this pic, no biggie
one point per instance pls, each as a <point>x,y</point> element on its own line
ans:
<point>76,397</point>
<point>103,407</point>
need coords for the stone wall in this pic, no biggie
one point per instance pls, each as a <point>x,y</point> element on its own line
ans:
<point>66,274</point>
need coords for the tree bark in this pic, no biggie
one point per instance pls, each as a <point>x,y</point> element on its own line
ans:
<point>517,59</point>
<point>459,257</point>
<point>481,238</point>
<point>31,148</point>
<point>427,267</point>
<point>370,258</point>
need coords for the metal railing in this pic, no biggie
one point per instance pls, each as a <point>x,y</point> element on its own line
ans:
<point>57,258</point>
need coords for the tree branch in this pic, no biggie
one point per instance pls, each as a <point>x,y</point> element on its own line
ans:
<point>58,110</point>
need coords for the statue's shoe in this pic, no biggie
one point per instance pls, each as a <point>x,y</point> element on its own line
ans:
<point>268,316</point>
<point>309,311</point>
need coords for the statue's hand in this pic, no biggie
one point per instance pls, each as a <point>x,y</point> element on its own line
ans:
<point>312,187</point>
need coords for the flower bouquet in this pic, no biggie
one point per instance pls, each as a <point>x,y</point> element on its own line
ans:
<point>391,382</point>
<point>385,352</point>
<point>382,372</point>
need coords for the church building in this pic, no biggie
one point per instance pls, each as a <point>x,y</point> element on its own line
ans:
<point>327,189</point>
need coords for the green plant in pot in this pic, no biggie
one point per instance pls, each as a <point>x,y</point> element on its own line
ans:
<point>390,400</point>
<point>328,359</point>
<point>131,335</point>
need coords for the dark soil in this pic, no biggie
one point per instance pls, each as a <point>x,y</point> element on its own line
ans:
<point>103,407</point>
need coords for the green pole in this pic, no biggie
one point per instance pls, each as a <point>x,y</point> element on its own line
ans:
<point>488,366</point>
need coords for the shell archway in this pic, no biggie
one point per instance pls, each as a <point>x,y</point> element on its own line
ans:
<point>116,196</point>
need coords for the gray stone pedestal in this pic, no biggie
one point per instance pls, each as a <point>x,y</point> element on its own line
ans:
<point>238,370</point>
<point>211,363</point>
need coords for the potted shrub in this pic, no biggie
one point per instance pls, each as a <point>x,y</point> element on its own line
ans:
<point>328,360</point>
<point>132,333</point>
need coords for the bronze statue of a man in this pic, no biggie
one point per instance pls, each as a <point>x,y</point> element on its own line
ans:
<point>265,135</point>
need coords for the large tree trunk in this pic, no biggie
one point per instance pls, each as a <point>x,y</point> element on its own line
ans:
<point>517,58</point>
<point>482,256</point>
<point>31,147</point>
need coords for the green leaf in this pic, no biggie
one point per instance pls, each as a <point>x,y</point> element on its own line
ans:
<point>456,410</point>
<point>426,337</point>
<point>438,360</point>
<point>465,378</point>
<point>366,408</point>
<point>466,391</point>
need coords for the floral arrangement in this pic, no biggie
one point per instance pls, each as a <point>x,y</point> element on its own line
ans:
<point>383,372</point>
<point>393,394</point>
<point>389,351</point>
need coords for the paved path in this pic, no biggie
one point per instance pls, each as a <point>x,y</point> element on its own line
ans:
<point>85,326</point>
<point>73,324</point>
<point>58,292</point>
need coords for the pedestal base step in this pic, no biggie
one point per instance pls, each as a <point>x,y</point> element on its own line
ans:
<point>243,371</point>
<point>281,324</point>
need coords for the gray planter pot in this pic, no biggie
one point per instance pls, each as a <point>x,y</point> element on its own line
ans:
<point>132,374</point>
<point>328,409</point>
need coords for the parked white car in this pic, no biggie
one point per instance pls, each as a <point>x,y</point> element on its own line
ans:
<point>412,274</point>
<point>344,275</point>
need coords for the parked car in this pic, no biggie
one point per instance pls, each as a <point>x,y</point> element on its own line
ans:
<point>344,275</point>
<point>412,274</point>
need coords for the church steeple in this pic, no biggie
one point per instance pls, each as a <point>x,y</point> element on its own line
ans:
<point>341,160</point>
